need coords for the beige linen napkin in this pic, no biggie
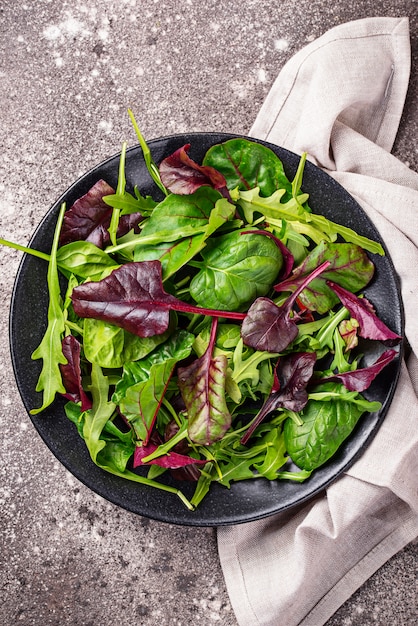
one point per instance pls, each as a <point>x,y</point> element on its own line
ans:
<point>340,99</point>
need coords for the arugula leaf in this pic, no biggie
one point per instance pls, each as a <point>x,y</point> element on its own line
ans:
<point>101,411</point>
<point>50,348</point>
<point>315,226</point>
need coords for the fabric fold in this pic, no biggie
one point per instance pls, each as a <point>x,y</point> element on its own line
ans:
<point>340,99</point>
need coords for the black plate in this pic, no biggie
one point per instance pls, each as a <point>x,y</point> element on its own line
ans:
<point>247,500</point>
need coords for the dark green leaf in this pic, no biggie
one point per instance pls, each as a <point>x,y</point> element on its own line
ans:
<point>238,267</point>
<point>247,164</point>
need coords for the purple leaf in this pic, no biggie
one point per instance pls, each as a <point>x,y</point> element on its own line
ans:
<point>181,175</point>
<point>71,373</point>
<point>172,460</point>
<point>202,386</point>
<point>370,326</point>
<point>269,327</point>
<point>362,378</point>
<point>133,297</point>
<point>291,377</point>
<point>88,219</point>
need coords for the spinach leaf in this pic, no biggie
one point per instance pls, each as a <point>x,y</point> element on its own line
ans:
<point>325,425</point>
<point>246,164</point>
<point>85,260</point>
<point>238,267</point>
<point>174,255</point>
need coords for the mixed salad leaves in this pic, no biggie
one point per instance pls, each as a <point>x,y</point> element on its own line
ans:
<point>214,334</point>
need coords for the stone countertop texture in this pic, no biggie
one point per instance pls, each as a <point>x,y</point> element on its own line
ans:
<point>69,71</point>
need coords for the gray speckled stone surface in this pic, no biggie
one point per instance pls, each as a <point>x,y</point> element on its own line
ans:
<point>68,72</point>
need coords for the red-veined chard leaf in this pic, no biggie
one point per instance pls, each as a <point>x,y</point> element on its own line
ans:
<point>269,327</point>
<point>361,379</point>
<point>181,175</point>
<point>133,298</point>
<point>291,377</point>
<point>202,386</point>
<point>248,164</point>
<point>88,219</point>
<point>172,460</point>
<point>142,401</point>
<point>370,326</point>
<point>349,267</point>
<point>71,373</point>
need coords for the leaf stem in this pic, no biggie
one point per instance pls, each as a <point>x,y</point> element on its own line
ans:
<point>32,251</point>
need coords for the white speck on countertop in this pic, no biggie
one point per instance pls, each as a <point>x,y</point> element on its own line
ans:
<point>281,44</point>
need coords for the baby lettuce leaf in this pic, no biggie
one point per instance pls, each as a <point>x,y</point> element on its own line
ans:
<point>270,327</point>
<point>71,373</point>
<point>291,377</point>
<point>247,164</point>
<point>237,268</point>
<point>181,175</point>
<point>349,267</point>
<point>178,347</point>
<point>88,219</point>
<point>179,216</point>
<point>370,326</point>
<point>111,346</point>
<point>133,298</point>
<point>202,386</point>
<point>50,348</point>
